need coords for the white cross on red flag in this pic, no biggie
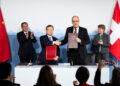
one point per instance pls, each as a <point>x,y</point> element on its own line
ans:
<point>115,33</point>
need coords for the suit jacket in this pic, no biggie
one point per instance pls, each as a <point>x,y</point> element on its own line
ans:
<point>106,43</point>
<point>44,40</point>
<point>83,35</point>
<point>7,83</point>
<point>25,45</point>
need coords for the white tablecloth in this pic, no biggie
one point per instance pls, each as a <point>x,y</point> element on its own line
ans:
<point>65,74</point>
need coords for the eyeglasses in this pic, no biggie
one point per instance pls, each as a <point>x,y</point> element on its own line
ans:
<point>75,21</point>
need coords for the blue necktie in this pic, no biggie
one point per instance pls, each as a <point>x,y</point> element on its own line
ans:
<point>50,38</point>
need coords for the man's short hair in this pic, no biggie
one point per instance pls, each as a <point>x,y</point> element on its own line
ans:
<point>5,70</point>
<point>23,23</point>
<point>49,26</point>
<point>102,26</point>
<point>82,74</point>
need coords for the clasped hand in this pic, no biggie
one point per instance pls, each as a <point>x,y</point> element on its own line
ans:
<point>57,42</point>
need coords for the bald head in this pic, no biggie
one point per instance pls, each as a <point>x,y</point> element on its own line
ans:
<point>75,21</point>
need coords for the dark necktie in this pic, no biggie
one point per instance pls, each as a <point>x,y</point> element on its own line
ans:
<point>75,30</point>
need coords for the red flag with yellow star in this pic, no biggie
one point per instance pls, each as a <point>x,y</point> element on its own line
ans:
<point>4,43</point>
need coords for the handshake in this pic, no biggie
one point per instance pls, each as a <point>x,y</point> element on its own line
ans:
<point>57,42</point>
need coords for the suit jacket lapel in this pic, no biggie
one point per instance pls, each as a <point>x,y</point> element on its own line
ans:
<point>48,38</point>
<point>23,34</point>
<point>72,30</point>
<point>53,38</point>
<point>79,32</point>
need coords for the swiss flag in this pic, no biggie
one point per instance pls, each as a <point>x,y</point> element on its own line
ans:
<point>4,43</point>
<point>115,33</point>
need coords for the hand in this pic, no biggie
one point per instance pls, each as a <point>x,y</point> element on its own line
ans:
<point>11,78</point>
<point>75,83</point>
<point>57,42</point>
<point>101,64</point>
<point>56,58</point>
<point>114,64</point>
<point>78,40</point>
<point>100,42</point>
<point>55,76</point>
<point>31,35</point>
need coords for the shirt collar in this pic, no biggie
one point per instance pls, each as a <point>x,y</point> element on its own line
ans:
<point>49,36</point>
<point>76,28</point>
<point>24,32</point>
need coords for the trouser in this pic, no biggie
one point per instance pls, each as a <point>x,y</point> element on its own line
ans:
<point>75,58</point>
<point>26,59</point>
<point>101,56</point>
<point>50,62</point>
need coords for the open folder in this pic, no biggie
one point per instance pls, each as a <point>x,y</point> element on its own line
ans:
<point>51,52</point>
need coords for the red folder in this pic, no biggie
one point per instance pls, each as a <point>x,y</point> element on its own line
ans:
<point>51,52</point>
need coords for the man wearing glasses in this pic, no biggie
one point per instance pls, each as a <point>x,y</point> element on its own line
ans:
<point>77,56</point>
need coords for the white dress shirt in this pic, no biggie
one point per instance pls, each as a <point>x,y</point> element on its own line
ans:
<point>50,37</point>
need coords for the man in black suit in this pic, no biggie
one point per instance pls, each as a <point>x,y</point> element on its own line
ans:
<point>48,40</point>
<point>6,78</point>
<point>77,56</point>
<point>25,39</point>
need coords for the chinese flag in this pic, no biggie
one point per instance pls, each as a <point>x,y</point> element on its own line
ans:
<point>115,33</point>
<point>4,43</point>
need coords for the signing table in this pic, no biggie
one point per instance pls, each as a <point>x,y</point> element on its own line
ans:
<point>65,74</point>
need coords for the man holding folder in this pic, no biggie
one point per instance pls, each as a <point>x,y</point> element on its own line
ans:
<point>77,38</point>
<point>50,51</point>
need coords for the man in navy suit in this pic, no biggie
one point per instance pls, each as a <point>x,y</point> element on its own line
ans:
<point>48,40</point>
<point>25,39</point>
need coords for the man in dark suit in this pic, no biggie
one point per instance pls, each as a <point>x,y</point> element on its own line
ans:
<point>6,78</point>
<point>48,40</point>
<point>77,56</point>
<point>25,39</point>
<point>101,44</point>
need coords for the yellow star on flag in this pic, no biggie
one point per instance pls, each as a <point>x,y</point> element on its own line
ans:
<point>2,22</point>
